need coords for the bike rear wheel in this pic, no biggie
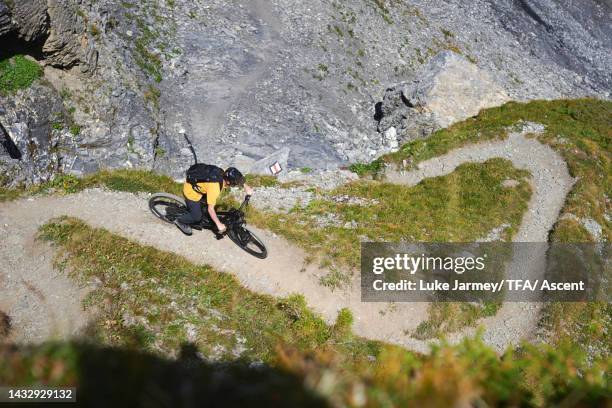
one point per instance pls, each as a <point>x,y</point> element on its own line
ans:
<point>248,241</point>
<point>167,207</point>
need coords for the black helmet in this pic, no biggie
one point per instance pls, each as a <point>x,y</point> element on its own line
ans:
<point>233,177</point>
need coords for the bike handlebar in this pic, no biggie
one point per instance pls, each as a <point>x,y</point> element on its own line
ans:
<point>247,198</point>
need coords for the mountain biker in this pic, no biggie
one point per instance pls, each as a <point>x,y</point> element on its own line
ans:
<point>208,192</point>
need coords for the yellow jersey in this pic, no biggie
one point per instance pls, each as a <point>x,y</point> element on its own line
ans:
<point>212,191</point>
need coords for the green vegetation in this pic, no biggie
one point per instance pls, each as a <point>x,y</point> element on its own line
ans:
<point>155,301</point>
<point>374,168</point>
<point>581,131</point>
<point>65,93</point>
<point>94,30</point>
<point>254,180</point>
<point>160,152</point>
<point>448,317</point>
<point>447,208</point>
<point>460,207</point>
<point>9,194</point>
<point>447,34</point>
<point>120,180</point>
<point>148,61</point>
<point>57,125</point>
<point>335,278</point>
<point>257,180</point>
<point>152,95</point>
<point>381,6</point>
<point>16,73</point>
<point>321,73</point>
<point>75,129</point>
<point>225,316</point>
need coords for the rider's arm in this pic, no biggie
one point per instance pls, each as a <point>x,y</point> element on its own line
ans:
<point>213,216</point>
<point>247,189</point>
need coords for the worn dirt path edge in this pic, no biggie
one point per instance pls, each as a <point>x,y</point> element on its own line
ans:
<point>46,304</point>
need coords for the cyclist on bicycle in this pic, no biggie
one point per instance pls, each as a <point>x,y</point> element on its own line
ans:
<point>208,192</point>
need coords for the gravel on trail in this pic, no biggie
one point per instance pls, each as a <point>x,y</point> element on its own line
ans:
<point>551,182</point>
<point>43,303</point>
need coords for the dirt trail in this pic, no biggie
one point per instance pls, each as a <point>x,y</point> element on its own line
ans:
<point>284,272</point>
<point>551,182</point>
<point>41,302</point>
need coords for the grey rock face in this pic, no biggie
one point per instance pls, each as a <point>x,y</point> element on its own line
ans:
<point>448,89</point>
<point>65,45</point>
<point>248,78</point>
<point>6,24</point>
<point>105,117</point>
<point>54,26</point>
<point>31,143</point>
<point>575,35</point>
<point>31,20</point>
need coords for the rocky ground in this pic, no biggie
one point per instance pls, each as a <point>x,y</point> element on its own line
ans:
<point>247,79</point>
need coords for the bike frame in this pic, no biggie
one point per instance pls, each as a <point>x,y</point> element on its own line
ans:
<point>229,218</point>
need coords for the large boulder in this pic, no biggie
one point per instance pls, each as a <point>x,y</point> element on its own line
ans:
<point>449,89</point>
<point>263,165</point>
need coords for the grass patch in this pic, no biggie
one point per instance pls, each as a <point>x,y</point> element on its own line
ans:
<point>131,181</point>
<point>448,317</point>
<point>374,168</point>
<point>581,131</point>
<point>459,207</point>
<point>75,130</point>
<point>586,324</point>
<point>255,180</point>
<point>335,279</point>
<point>157,301</point>
<point>152,94</point>
<point>16,73</point>
<point>149,62</point>
<point>10,194</point>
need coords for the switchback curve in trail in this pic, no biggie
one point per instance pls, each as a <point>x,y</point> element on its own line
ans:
<point>285,271</point>
<point>551,182</point>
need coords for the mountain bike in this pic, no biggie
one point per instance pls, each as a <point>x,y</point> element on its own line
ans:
<point>168,207</point>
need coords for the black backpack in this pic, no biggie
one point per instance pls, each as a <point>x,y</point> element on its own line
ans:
<point>204,173</point>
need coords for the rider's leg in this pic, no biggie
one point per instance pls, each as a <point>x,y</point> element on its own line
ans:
<point>194,215</point>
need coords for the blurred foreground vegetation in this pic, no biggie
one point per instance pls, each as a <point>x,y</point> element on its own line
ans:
<point>256,350</point>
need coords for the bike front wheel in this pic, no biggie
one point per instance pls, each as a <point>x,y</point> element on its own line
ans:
<point>167,207</point>
<point>248,241</point>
